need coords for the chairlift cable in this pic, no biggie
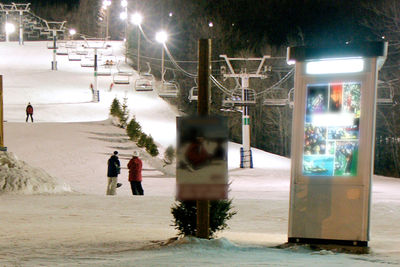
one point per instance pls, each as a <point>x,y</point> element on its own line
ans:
<point>287,76</point>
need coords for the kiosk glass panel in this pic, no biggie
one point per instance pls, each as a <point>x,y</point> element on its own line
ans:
<point>331,129</point>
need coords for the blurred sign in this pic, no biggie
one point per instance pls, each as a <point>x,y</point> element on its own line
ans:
<point>201,171</point>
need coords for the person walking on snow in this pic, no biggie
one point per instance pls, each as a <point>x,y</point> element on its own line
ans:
<point>114,168</point>
<point>29,112</point>
<point>135,174</point>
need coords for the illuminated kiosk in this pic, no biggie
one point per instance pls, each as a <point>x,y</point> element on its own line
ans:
<point>332,142</point>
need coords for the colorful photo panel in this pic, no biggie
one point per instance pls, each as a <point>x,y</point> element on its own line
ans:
<point>331,129</point>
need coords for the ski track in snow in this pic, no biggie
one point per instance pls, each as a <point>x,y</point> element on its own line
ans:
<point>72,139</point>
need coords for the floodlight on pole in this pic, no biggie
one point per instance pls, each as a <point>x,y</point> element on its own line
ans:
<point>137,19</point>
<point>162,37</point>
<point>106,4</point>
<point>123,15</point>
<point>10,28</point>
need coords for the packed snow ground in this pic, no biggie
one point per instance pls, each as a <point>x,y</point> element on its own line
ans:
<point>72,139</point>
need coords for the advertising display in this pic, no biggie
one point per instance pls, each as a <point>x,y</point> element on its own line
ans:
<point>331,129</point>
<point>202,166</point>
<point>333,133</point>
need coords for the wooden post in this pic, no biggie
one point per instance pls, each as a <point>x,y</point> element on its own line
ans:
<point>1,114</point>
<point>203,109</point>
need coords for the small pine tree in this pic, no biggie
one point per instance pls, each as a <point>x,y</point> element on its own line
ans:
<point>185,217</point>
<point>115,109</point>
<point>123,118</point>
<point>151,148</point>
<point>133,129</point>
<point>142,140</point>
<point>169,155</point>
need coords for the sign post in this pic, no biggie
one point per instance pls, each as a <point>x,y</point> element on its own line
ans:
<point>332,143</point>
<point>2,148</point>
<point>201,172</point>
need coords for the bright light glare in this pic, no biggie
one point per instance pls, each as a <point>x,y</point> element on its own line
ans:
<point>136,19</point>
<point>210,24</point>
<point>72,31</point>
<point>161,37</point>
<point>333,119</point>
<point>124,3</point>
<point>170,14</point>
<point>106,3</point>
<point>123,15</point>
<point>335,66</point>
<point>10,28</point>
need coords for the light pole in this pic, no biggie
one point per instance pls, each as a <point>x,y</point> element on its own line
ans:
<point>162,37</point>
<point>10,28</point>
<point>124,16</point>
<point>137,20</point>
<point>72,32</point>
<point>21,29</point>
<point>106,4</point>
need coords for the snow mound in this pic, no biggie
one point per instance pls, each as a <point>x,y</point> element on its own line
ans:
<point>221,243</point>
<point>16,176</point>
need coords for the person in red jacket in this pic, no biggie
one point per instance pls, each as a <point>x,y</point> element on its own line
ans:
<point>135,174</point>
<point>29,111</point>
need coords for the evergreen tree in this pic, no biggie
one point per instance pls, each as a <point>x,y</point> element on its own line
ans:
<point>124,113</point>
<point>134,130</point>
<point>115,109</point>
<point>185,216</point>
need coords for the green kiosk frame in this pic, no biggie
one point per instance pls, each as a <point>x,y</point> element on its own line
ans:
<point>333,142</point>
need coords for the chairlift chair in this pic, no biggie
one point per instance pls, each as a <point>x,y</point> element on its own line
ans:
<point>147,76</point>
<point>62,51</point>
<point>74,57</point>
<point>193,94</point>
<point>87,63</point>
<point>280,102</point>
<point>143,84</point>
<point>50,45</point>
<point>168,90</point>
<point>236,97</point>
<point>70,44</point>
<point>103,71</point>
<point>120,78</point>
<point>385,94</point>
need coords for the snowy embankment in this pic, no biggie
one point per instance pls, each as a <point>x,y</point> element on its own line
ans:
<point>18,177</point>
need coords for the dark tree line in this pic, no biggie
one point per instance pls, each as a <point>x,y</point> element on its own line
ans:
<point>252,29</point>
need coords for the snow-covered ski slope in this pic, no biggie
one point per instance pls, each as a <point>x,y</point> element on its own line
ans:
<point>71,139</point>
<point>65,96</point>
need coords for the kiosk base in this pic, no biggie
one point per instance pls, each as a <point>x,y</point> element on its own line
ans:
<point>352,243</point>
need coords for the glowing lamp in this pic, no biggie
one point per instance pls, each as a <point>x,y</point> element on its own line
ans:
<point>10,28</point>
<point>161,37</point>
<point>136,19</point>
<point>331,66</point>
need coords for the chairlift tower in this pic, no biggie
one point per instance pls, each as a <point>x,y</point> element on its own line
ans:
<point>246,159</point>
<point>99,44</point>
<point>54,27</point>
<point>20,8</point>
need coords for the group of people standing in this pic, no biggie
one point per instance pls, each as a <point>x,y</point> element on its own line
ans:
<point>135,174</point>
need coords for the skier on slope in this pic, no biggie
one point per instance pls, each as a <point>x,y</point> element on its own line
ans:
<point>29,112</point>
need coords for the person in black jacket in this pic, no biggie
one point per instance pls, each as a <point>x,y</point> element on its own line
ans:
<point>114,167</point>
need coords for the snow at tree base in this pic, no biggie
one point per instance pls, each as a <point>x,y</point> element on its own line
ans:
<point>54,209</point>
